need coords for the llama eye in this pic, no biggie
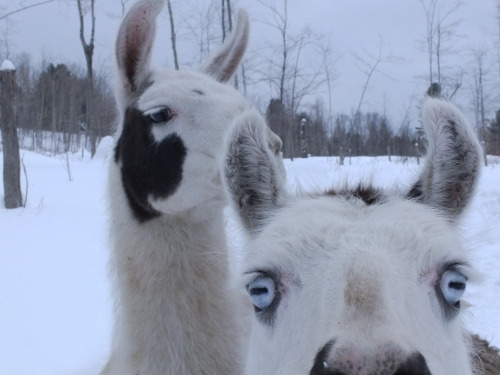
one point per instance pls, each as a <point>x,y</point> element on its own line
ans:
<point>262,292</point>
<point>453,287</point>
<point>161,115</point>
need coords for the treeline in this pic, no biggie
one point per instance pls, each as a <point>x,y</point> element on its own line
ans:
<point>53,111</point>
<point>309,133</point>
<point>61,108</point>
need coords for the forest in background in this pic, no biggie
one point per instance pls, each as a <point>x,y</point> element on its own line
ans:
<point>63,107</point>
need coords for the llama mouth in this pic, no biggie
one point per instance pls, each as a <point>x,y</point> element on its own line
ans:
<point>205,153</point>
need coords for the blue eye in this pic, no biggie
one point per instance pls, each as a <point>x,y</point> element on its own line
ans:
<point>453,285</point>
<point>262,292</point>
<point>161,115</point>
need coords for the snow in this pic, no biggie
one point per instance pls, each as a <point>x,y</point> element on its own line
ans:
<point>7,65</point>
<point>54,289</point>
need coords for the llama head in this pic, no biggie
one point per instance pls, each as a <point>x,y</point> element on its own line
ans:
<point>170,136</point>
<point>357,281</point>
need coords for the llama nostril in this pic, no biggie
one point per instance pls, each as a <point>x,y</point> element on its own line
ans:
<point>350,361</point>
<point>414,365</point>
<point>320,366</point>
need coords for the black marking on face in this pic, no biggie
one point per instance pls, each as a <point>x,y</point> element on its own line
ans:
<point>368,194</point>
<point>199,92</point>
<point>148,168</point>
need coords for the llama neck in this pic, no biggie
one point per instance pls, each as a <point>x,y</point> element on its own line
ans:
<point>173,301</point>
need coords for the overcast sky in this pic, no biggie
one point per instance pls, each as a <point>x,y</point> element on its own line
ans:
<point>354,26</point>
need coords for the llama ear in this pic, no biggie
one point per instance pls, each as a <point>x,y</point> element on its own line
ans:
<point>134,43</point>
<point>226,60</point>
<point>254,175</point>
<point>453,160</point>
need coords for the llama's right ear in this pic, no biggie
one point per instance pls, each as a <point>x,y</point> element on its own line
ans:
<point>226,60</point>
<point>453,161</point>
<point>134,44</point>
<point>254,175</point>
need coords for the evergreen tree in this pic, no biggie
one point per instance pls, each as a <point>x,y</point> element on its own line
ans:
<point>494,135</point>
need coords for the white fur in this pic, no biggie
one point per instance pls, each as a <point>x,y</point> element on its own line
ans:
<point>362,275</point>
<point>201,121</point>
<point>174,312</point>
<point>391,270</point>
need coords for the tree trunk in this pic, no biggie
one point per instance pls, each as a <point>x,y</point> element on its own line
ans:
<point>223,20</point>
<point>173,37</point>
<point>88,50</point>
<point>11,162</point>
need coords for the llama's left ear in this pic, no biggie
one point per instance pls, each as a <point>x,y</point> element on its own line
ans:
<point>254,175</point>
<point>226,60</point>
<point>134,44</point>
<point>453,161</point>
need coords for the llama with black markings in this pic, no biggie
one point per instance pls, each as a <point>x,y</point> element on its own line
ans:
<point>174,313</point>
<point>357,281</point>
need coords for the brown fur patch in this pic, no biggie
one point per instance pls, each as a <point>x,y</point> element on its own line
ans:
<point>487,358</point>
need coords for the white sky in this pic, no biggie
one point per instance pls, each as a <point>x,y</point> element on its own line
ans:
<point>354,26</point>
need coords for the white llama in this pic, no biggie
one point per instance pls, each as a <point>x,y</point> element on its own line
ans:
<point>174,312</point>
<point>357,281</point>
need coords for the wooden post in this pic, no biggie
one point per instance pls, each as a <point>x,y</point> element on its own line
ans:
<point>11,161</point>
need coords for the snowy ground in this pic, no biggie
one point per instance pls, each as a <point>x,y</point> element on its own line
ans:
<point>54,291</point>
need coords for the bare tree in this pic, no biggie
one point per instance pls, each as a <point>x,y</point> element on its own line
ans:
<point>4,41</point>
<point>330,77</point>
<point>498,49</point>
<point>223,19</point>
<point>124,5</point>
<point>293,70</point>
<point>173,36</point>
<point>200,27</point>
<point>290,74</point>
<point>369,65</point>
<point>11,160</point>
<point>226,9</point>
<point>25,7</point>
<point>440,32</point>
<point>479,96</point>
<point>280,23</point>
<point>88,50</point>
<point>229,15</point>
<point>88,46</point>
<point>498,17</point>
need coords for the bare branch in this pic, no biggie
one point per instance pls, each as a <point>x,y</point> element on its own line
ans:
<point>26,186</point>
<point>123,3</point>
<point>173,37</point>
<point>439,30</point>
<point>369,68</point>
<point>223,19</point>
<point>229,15</point>
<point>26,7</point>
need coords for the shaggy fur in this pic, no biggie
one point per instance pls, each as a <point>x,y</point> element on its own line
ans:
<point>356,278</point>
<point>487,357</point>
<point>174,313</point>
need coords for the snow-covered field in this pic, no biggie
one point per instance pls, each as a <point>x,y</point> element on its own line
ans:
<point>55,300</point>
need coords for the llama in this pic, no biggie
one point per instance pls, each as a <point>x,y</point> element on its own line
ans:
<point>173,311</point>
<point>357,281</point>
